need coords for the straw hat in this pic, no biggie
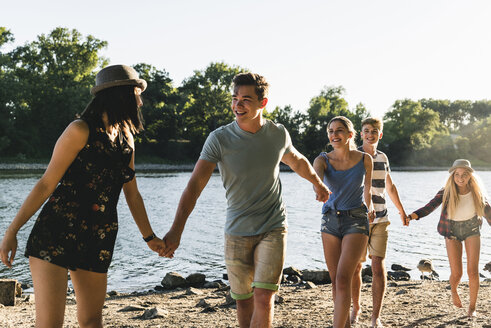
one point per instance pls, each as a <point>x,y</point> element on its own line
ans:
<point>116,75</point>
<point>463,163</point>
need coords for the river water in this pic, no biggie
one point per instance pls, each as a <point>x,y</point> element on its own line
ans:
<point>136,268</point>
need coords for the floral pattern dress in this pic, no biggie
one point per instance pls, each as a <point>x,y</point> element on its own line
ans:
<point>77,226</point>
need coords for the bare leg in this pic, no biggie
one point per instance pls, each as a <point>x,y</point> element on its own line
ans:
<point>263,308</point>
<point>50,285</point>
<point>90,292</point>
<point>472,249</point>
<point>355,294</point>
<point>378,288</point>
<point>454,253</point>
<point>352,247</point>
<point>332,252</point>
<point>245,309</point>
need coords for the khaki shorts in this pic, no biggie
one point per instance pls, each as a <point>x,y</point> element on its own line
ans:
<point>377,241</point>
<point>255,261</point>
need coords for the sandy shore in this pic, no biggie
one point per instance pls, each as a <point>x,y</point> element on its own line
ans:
<point>407,304</point>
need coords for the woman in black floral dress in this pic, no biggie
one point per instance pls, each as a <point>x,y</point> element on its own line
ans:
<point>76,230</point>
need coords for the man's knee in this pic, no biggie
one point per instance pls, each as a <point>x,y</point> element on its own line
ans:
<point>358,269</point>
<point>263,297</point>
<point>378,266</point>
<point>244,303</point>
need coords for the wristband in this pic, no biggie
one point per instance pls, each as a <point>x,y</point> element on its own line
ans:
<point>147,239</point>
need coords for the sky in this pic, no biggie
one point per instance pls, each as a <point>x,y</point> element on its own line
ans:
<point>380,51</point>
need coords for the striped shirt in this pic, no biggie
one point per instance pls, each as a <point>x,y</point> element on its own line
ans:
<point>379,175</point>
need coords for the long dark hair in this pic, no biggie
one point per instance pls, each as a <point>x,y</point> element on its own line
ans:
<point>119,103</point>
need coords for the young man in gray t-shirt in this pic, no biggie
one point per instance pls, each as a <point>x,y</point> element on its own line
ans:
<point>248,152</point>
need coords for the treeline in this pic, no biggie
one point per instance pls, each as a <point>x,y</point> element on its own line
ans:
<point>45,83</point>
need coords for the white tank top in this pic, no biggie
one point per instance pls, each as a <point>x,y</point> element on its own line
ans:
<point>465,208</point>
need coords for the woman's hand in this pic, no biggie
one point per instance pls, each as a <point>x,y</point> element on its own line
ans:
<point>156,244</point>
<point>8,245</point>
<point>412,216</point>
<point>404,218</point>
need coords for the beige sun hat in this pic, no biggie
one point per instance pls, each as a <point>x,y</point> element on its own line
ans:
<point>116,75</point>
<point>463,163</point>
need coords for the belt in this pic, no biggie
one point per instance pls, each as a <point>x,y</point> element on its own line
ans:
<point>342,212</point>
<point>346,212</point>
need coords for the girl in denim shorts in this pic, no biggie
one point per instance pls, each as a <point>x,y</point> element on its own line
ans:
<point>348,174</point>
<point>464,204</point>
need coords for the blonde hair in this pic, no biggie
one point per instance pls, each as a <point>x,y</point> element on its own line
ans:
<point>451,196</point>
<point>348,125</point>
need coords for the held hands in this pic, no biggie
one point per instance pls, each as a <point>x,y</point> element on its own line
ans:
<point>156,245</point>
<point>8,245</point>
<point>371,215</point>
<point>405,219</point>
<point>171,241</point>
<point>322,193</point>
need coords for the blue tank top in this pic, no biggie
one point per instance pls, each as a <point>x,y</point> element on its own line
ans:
<point>346,186</point>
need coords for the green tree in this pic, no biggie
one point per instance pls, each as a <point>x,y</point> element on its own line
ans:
<point>442,107</point>
<point>6,87</point>
<point>475,140</point>
<point>323,108</point>
<point>480,110</point>
<point>53,76</point>
<point>409,128</point>
<point>293,122</point>
<point>206,102</point>
<point>160,111</point>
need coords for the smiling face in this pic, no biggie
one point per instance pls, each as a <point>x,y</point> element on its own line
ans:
<point>370,134</point>
<point>339,135</point>
<point>246,105</point>
<point>461,178</point>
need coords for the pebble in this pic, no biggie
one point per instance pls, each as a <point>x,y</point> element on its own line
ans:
<point>131,308</point>
<point>153,314</point>
<point>310,285</point>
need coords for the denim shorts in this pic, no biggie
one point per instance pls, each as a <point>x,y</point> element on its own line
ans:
<point>461,230</point>
<point>341,223</point>
<point>255,262</point>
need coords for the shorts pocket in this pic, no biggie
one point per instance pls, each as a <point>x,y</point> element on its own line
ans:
<point>359,213</point>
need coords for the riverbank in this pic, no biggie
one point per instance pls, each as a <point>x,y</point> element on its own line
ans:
<point>407,304</point>
<point>150,167</point>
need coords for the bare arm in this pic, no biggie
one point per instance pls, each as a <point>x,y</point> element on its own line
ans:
<point>198,181</point>
<point>367,190</point>
<point>394,196</point>
<point>137,206</point>
<point>69,144</point>
<point>298,163</point>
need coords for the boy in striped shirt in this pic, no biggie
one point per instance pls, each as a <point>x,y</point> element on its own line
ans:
<point>371,133</point>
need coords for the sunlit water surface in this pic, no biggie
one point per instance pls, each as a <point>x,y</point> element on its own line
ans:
<point>136,268</point>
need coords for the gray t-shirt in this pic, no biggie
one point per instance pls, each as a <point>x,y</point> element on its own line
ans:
<point>249,166</point>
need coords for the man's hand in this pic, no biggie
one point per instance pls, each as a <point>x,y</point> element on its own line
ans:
<point>171,240</point>
<point>321,193</point>
<point>371,216</point>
